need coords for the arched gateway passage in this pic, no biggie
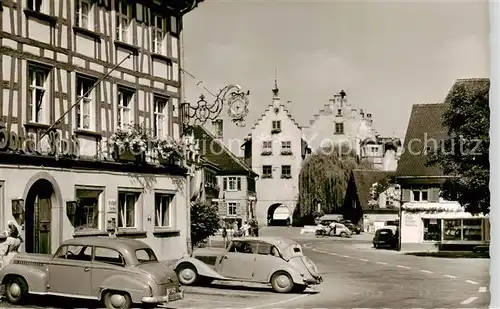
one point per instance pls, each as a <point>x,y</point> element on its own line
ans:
<point>38,216</point>
<point>277,214</point>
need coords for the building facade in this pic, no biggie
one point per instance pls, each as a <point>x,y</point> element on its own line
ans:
<point>339,124</point>
<point>429,222</point>
<point>225,180</point>
<point>103,65</point>
<point>275,150</point>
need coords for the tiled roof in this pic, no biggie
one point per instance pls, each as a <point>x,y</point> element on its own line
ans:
<point>364,179</point>
<point>216,153</point>
<point>425,125</point>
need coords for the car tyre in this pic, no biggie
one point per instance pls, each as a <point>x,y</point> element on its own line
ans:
<point>117,300</point>
<point>16,290</point>
<point>187,274</point>
<point>358,232</point>
<point>343,234</point>
<point>282,282</point>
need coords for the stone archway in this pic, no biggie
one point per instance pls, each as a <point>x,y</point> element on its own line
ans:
<point>277,214</point>
<point>42,220</point>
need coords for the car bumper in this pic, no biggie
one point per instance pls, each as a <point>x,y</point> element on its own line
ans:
<point>317,280</point>
<point>163,299</point>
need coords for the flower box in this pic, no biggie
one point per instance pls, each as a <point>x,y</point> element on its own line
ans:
<point>126,155</point>
<point>286,152</point>
<point>286,176</point>
<point>266,152</point>
<point>265,176</point>
<point>275,131</point>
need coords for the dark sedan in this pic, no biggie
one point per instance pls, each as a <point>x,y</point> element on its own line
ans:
<point>385,237</point>
<point>355,229</point>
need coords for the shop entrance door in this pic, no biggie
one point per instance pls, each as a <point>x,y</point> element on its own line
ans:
<point>38,217</point>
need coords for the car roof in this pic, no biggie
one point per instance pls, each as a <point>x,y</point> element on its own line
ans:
<point>119,244</point>
<point>276,241</point>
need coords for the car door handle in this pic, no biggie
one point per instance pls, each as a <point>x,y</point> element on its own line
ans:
<point>225,257</point>
<point>86,269</point>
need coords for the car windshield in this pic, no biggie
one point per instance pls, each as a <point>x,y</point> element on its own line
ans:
<point>145,255</point>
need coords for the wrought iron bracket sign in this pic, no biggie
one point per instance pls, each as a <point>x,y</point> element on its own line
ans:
<point>232,96</point>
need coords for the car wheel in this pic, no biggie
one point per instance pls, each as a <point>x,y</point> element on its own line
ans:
<point>16,290</point>
<point>187,274</point>
<point>358,232</point>
<point>117,300</point>
<point>343,234</point>
<point>282,282</point>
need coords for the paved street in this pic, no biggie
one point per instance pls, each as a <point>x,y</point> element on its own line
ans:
<point>356,276</point>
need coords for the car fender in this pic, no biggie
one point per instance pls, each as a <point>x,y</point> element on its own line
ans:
<point>292,271</point>
<point>201,268</point>
<point>36,278</point>
<point>134,286</point>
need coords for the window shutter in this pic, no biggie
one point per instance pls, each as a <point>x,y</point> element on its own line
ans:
<point>238,183</point>
<point>434,194</point>
<point>224,183</point>
<point>406,195</point>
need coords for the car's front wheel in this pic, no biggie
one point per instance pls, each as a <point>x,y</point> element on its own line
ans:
<point>117,300</point>
<point>16,290</point>
<point>187,274</point>
<point>282,282</point>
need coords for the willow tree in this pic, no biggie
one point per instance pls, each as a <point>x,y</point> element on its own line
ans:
<point>323,179</point>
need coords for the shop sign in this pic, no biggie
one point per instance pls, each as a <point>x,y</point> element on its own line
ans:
<point>111,205</point>
<point>410,220</point>
<point>30,143</point>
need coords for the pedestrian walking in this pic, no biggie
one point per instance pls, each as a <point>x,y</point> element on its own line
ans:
<point>10,247</point>
<point>224,235</point>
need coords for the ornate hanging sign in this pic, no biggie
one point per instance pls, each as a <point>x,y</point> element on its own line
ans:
<point>237,107</point>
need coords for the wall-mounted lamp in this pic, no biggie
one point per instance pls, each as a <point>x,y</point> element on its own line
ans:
<point>149,218</point>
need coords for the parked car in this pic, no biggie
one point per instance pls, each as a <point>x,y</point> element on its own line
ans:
<point>277,261</point>
<point>334,229</point>
<point>117,271</point>
<point>355,229</point>
<point>385,237</point>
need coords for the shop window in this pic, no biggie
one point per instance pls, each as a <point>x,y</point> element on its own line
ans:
<point>452,229</point>
<point>472,229</point>
<point>432,229</point>
<point>126,208</point>
<point>163,210</point>
<point>85,214</point>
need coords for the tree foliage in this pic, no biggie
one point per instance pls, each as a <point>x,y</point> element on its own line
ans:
<point>205,222</point>
<point>465,153</point>
<point>323,179</point>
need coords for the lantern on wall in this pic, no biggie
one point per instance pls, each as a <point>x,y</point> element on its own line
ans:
<point>17,207</point>
<point>71,208</point>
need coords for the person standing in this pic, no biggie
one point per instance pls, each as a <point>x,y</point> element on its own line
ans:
<point>10,247</point>
<point>245,229</point>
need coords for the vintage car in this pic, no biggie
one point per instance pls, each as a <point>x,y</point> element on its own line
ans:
<point>116,271</point>
<point>277,261</point>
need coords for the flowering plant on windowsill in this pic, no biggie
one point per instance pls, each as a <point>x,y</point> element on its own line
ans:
<point>286,152</point>
<point>286,176</point>
<point>266,152</point>
<point>131,138</point>
<point>170,149</point>
<point>267,176</point>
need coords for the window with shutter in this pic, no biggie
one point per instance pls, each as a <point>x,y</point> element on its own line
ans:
<point>406,195</point>
<point>238,184</point>
<point>224,184</point>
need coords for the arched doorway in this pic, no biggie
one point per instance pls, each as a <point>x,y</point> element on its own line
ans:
<point>277,214</point>
<point>38,215</point>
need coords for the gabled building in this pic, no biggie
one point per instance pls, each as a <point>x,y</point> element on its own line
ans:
<point>275,150</point>
<point>362,207</point>
<point>339,124</point>
<point>225,179</point>
<point>428,222</point>
<point>103,65</point>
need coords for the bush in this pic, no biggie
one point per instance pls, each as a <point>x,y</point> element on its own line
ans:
<point>204,222</point>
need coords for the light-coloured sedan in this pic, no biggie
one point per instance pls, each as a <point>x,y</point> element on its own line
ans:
<point>277,261</point>
<point>117,271</point>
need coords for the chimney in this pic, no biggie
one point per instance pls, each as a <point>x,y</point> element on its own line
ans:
<point>369,118</point>
<point>289,106</point>
<point>362,114</point>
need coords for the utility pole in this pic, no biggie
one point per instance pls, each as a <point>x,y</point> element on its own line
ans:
<point>83,96</point>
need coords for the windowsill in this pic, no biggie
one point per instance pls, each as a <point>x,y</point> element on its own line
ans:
<point>286,177</point>
<point>96,36</point>
<point>161,57</point>
<point>40,16</point>
<point>339,133</point>
<point>124,231</point>
<point>286,153</point>
<point>267,153</point>
<point>275,131</point>
<point>133,48</point>
<point>165,230</point>
<point>84,132</point>
<point>83,233</point>
<point>36,125</point>
<point>232,190</point>
<point>267,177</point>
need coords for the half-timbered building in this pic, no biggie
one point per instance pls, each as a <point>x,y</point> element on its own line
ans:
<point>108,64</point>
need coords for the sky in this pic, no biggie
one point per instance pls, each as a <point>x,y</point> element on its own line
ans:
<point>386,55</point>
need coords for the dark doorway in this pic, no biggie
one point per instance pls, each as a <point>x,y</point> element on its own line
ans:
<point>278,215</point>
<point>38,217</point>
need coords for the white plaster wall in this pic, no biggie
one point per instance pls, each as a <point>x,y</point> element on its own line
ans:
<point>15,186</point>
<point>276,190</point>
